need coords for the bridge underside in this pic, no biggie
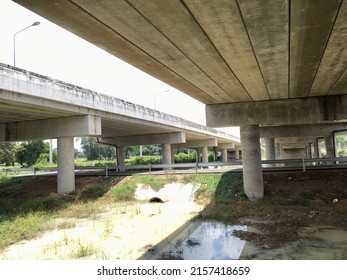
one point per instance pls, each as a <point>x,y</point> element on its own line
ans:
<point>248,60</point>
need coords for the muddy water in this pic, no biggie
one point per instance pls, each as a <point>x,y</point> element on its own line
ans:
<point>326,244</point>
<point>211,240</point>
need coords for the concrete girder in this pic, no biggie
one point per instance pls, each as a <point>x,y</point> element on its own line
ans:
<point>52,128</point>
<point>149,139</point>
<point>296,140</point>
<point>191,144</point>
<point>311,23</point>
<point>226,146</point>
<point>294,145</point>
<point>300,130</point>
<point>313,110</point>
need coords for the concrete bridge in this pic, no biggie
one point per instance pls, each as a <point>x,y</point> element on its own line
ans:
<point>269,66</point>
<point>33,106</point>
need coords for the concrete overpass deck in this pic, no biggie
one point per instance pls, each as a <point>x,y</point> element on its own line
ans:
<point>28,97</point>
<point>33,106</point>
<point>254,63</point>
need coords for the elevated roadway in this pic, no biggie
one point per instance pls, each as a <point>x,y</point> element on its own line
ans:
<point>33,106</point>
<point>254,63</point>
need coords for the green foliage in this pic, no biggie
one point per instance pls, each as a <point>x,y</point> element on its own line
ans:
<point>125,191</point>
<point>93,192</point>
<point>145,160</point>
<point>95,151</point>
<point>341,144</point>
<point>46,203</point>
<point>217,187</point>
<point>105,163</point>
<point>43,160</point>
<point>132,151</point>
<point>185,158</point>
<point>7,154</point>
<point>22,227</point>
<point>210,156</point>
<point>82,251</point>
<point>29,152</point>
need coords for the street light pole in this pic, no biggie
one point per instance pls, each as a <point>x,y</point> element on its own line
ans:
<point>36,23</point>
<point>155,98</point>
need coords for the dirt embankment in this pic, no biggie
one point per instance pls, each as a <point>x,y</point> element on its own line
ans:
<point>296,205</point>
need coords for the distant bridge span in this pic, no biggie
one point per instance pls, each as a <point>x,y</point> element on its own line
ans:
<point>33,106</point>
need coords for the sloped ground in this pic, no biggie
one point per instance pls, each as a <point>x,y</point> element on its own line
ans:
<point>296,205</point>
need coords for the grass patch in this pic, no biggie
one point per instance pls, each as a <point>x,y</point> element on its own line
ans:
<point>25,217</point>
<point>217,187</point>
<point>45,203</point>
<point>82,251</point>
<point>125,191</point>
<point>22,227</point>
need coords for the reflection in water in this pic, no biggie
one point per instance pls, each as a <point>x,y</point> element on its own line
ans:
<point>211,240</point>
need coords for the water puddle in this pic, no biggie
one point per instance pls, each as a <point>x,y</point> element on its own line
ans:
<point>210,240</point>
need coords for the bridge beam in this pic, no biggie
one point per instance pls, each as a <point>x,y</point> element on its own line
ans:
<point>51,128</point>
<point>325,109</point>
<point>194,144</point>
<point>300,130</point>
<point>148,139</point>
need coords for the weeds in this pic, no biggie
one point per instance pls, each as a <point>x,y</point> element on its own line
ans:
<point>25,216</point>
<point>217,187</point>
<point>22,227</point>
<point>82,251</point>
<point>125,191</point>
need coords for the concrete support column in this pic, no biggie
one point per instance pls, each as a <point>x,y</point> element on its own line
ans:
<point>121,157</point>
<point>270,149</point>
<point>166,152</point>
<point>314,150</point>
<point>205,154</point>
<point>237,154</point>
<point>224,155</point>
<point>251,161</point>
<point>172,155</point>
<point>329,146</point>
<point>66,166</point>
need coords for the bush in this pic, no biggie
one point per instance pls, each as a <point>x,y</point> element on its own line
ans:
<point>105,163</point>
<point>46,203</point>
<point>145,160</point>
<point>185,158</point>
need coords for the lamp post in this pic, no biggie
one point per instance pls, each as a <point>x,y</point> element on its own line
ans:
<point>155,98</point>
<point>36,23</point>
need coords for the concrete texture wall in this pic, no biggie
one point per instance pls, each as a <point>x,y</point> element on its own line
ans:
<point>77,126</point>
<point>311,110</point>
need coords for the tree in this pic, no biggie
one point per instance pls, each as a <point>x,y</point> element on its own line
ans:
<point>27,153</point>
<point>7,154</point>
<point>96,151</point>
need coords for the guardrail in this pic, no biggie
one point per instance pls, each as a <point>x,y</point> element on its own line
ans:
<point>302,163</point>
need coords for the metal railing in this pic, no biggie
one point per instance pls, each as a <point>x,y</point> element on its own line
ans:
<point>297,164</point>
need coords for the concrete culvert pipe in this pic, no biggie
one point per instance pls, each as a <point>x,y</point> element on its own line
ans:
<point>158,199</point>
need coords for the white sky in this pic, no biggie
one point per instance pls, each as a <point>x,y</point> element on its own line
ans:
<point>52,51</point>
